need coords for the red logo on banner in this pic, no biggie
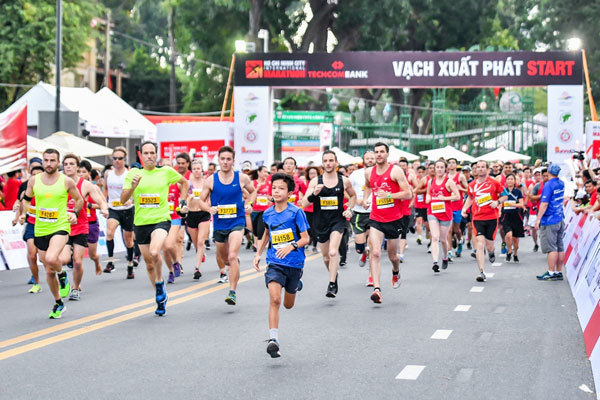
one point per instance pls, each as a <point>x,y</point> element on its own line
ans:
<point>254,69</point>
<point>337,65</point>
<point>565,135</point>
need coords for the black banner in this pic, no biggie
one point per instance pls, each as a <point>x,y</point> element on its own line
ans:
<point>409,69</point>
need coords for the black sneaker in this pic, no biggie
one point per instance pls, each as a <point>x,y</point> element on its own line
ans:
<point>136,261</point>
<point>207,245</point>
<point>508,257</point>
<point>343,263</point>
<point>492,257</point>
<point>109,267</point>
<point>331,290</point>
<point>188,246</point>
<point>197,274</point>
<point>436,267</point>
<point>481,277</point>
<point>444,264</point>
<point>558,276</point>
<point>273,348</point>
<point>516,258</point>
<point>536,248</point>
<point>473,254</point>
<point>130,274</point>
<point>469,246</point>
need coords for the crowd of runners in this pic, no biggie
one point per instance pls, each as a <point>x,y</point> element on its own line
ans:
<point>452,209</point>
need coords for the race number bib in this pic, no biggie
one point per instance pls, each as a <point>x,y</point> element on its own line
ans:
<point>484,200</point>
<point>262,201</point>
<point>171,206</point>
<point>227,210</point>
<point>196,193</point>
<point>31,211</point>
<point>292,199</point>
<point>118,204</point>
<point>329,203</point>
<point>149,200</point>
<point>510,205</point>
<point>384,202</point>
<point>48,214</point>
<point>282,238</point>
<point>420,198</point>
<point>438,207</point>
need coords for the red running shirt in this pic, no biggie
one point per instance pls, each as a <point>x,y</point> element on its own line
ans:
<point>441,209</point>
<point>458,204</point>
<point>31,212</point>
<point>384,209</point>
<point>483,194</point>
<point>81,226</point>
<point>91,212</point>
<point>263,196</point>
<point>174,201</point>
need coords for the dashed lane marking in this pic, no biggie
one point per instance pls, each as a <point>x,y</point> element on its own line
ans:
<point>411,372</point>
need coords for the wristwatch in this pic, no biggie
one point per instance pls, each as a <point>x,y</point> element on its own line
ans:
<point>295,245</point>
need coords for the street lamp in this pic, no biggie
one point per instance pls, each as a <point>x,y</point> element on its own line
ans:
<point>264,35</point>
<point>277,141</point>
<point>574,44</point>
<point>240,46</point>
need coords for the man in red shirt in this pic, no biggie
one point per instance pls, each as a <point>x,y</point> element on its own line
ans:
<point>483,195</point>
<point>11,190</point>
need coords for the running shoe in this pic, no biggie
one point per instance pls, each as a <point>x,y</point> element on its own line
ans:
<point>197,274</point>
<point>558,276</point>
<point>136,261</point>
<point>188,246</point>
<point>474,254</point>
<point>454,242</point>
<point>207,245</point>
<point>396,281</point>
<point>230,299</point>
<point>300,285</point>
<point>503,251</point>
<point>248,245</point>
<point>459,249</point>
<point>35,288</point>
<point>109,267</point>
<point>444,264</point>
<point>492,257</point>
<point>546,276</point>
<point>343,262</point>
<point>176,269</point>
<point>171,278</point>
<point>331,290</point>
<point>369,282</point>
<point>273,348</point>
<point>419,241</point>
<point>516,258</point>
<point>428,248</point>
<point>376,296</point>
<point>74,295</point>
<point>481,277</point>
<point>536,248</point>
<point>450,257</point>
<point>436,267</point>
<point>412,230</point>
<point>64,286</point>
<point>363,260</point>
<point>508,257</point>
<point>31,281</point>
<point>203,257</point>
<point>401,257</point>
<point>223,278</point>
<point>57,311</point>
<point>161,307</point>
<point>469,245</point>
<point>130,274</point>
<point>315,250</point>
<point>161,293</point>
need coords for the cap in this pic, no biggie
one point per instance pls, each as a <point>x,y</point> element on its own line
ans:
<point>246,165</point>
<point>580,194</point>
<point>35,160</point>
<point>554,169</point>
<point>466,168</point>
<point>535,171</point>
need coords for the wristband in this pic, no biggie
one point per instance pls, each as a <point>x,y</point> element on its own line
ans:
<point>389,196</point>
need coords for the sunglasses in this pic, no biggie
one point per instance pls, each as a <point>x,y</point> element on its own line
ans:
<point>118,158</point>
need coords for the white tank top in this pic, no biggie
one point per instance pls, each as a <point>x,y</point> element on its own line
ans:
<point>114,186</point>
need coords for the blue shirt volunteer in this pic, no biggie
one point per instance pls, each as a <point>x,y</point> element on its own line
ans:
<point>285,228</point>
<point>553,194</point>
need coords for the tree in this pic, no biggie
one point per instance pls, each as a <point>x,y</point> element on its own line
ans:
<point>27,40</point>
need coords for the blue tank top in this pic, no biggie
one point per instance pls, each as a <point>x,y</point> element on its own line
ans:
<point>230,203</point>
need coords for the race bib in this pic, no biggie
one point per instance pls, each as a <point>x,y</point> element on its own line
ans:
<point>119,204</point>
<point>329,203</point>
<point>510,205</point>
<point>438,207</point>
<point>48,214</point>
<point>31,211</point>
<point>420,198</point>
<point>384,202</point>
<point>196,193</point>
<point>282,238</point>
<point>89,213</point>
<point>171,206</point>
<point>262,201</point>
<point>149,200</point>
<point>292,199</point>
<point>227,210</point>
<point>484,200</point>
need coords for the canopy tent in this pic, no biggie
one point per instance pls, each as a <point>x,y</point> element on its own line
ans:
<point>446,153</point>
<point>504,155</point>
<point>36,148</point>
<point>342,157</point>
<point>77,145</point>
<point>396,154</point>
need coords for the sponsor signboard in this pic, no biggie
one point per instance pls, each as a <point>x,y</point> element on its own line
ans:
<point>592,136</point>
<point>252,139</point>
<point>565,123</point>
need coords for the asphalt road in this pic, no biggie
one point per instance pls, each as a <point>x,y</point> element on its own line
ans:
<point>518,338</point>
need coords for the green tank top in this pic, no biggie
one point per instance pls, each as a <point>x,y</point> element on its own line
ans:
<point>51,206</point>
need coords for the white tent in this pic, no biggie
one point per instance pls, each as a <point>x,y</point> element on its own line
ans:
<point>446,153</point>
<point>36,148</point>
<point>77,145</point>
<point>504,155</point>
<point>342,157</point>
<point>396,154</point>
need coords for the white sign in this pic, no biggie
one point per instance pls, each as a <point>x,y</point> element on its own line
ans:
<point>565,123</point>
<point>13,250</point>
<point>592,139</point>
<point>118,239</point>
<point>326,134</point>
<point>253,139</point>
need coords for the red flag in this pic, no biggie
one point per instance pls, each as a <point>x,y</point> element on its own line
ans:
<point>13,139</point>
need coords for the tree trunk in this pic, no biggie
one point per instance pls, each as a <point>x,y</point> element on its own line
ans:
<point>254,20</point>
<point>172,94</point>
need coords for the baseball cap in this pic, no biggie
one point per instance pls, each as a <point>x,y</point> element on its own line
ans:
<point>554,169</point>
<point>535,171</point>
<point>466,168</point>
<point>246,165</point>
<point>35,160</point>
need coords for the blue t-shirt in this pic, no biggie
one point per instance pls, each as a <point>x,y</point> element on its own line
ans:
<point>285,228</point>
<point>553,194</point>
<point>513,197</point>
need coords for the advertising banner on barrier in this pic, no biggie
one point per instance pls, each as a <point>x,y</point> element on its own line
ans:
<point>12,247</point>
<point>409,69</point>
<point>252,140</point>
<point>565,123</point>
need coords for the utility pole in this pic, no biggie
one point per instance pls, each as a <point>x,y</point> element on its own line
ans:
<point>107,56</point>
<point>58,63</point>
<point>172,94</point>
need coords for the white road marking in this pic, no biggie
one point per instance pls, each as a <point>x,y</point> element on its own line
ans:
<point>462,307</point>
<point>496,264</point>
<point>441,334</point>
<point>585,388</point>
<point>489,274</point>
<point>411,372</point>
<point>477,289</point>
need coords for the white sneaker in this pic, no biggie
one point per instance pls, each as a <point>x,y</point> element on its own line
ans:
<point>74,295</point>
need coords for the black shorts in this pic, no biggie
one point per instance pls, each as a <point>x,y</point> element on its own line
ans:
<point>513,222</point>
<point>143,233</point>
<point>123,217</point>
<point>390,230</point>
<point>421,213</point>
<point>222,235</point>
<point>258,224</point>
<point>81,240</point>
<point>42,242</point>
<point>195,218</point>
<point>287,277</point>
<point>486,228</point>
<point>323,233</point>
<point>360,222</point>
<point>404,222</point>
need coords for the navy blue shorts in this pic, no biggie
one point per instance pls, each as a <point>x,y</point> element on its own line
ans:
<point>287,277</point>
<point>29,231</point>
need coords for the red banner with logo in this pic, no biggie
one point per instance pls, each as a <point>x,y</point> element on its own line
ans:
<point>198,147</point>
<point>13,139</point>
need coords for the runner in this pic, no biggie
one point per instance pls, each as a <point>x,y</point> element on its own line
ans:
<point>466,225</point>
<point>455,236</point>
<point>173,246</point>
<point>360,214</point>
<point>286,233</point>
<point>52,225</point>
<point>118,213</point>
<point>406,206</point>
<point>85,168</point>
<point>441,193</point>
<point>78,237</point>
<point>388,186</point>
<point>263,201</point>
<point>311,173</point>
<point>228,209</point>
<point>197,221</point>
<point>540,175</point>
<point>326,192</point>
<point>512,217</point>
<point>150,189</point>
<point>420,205</point>
<point>483,196</point>
<point>289,167</point>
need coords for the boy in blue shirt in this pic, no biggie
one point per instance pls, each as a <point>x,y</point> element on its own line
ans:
<point>286,233</point>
